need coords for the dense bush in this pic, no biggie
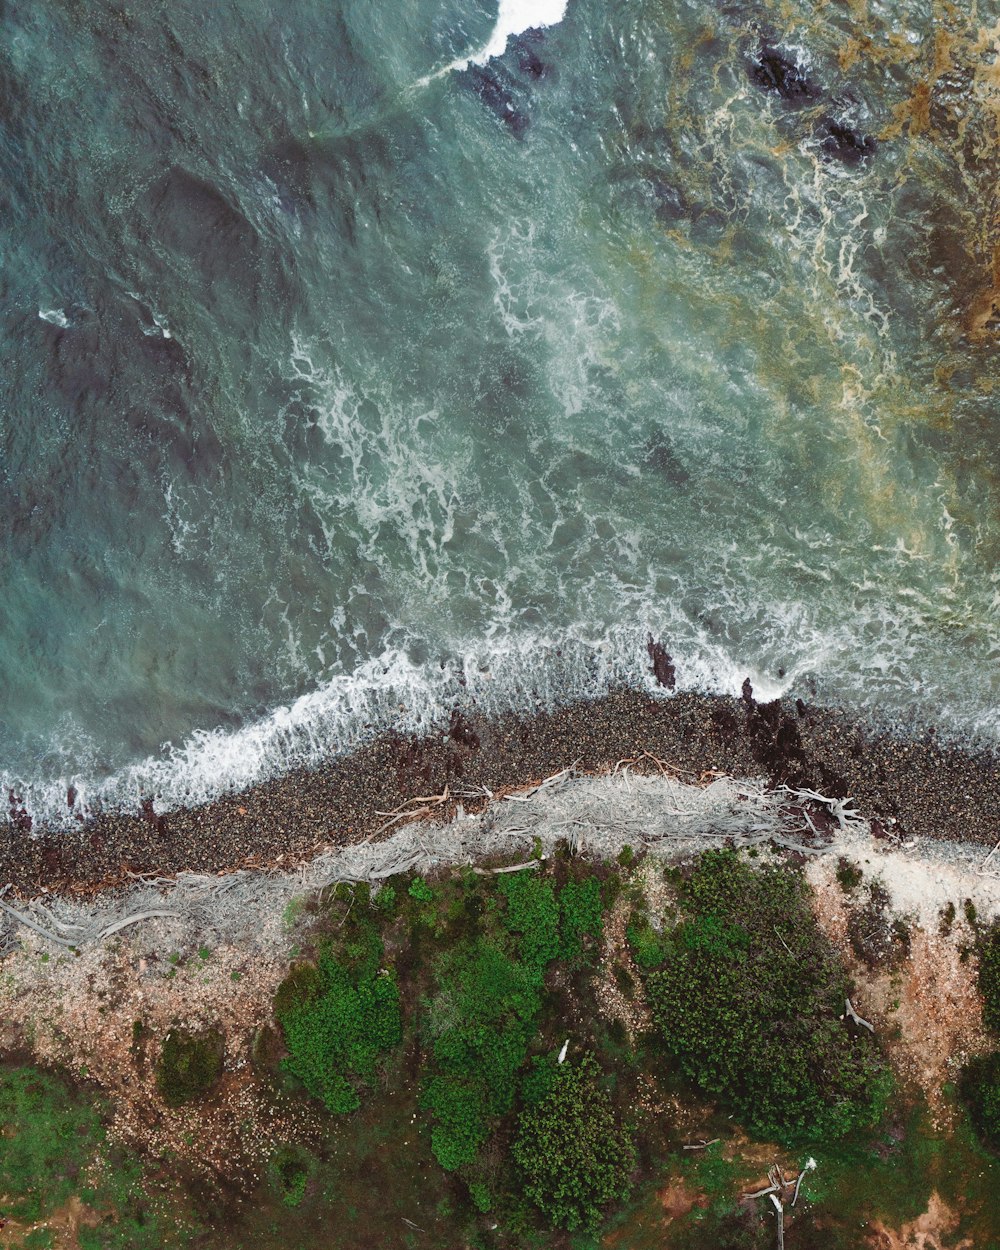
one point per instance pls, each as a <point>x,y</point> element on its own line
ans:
<point>46,1137</point>
<point>581,916</point>
<point>980,1090</point>
<point>289,1170</point>
<point>189,1065</point>
<point>989,978</point>
<point>480,1022</point>
<point>338,1016</point>
<point>574,1156</point>
<point>481,1018</point>
<point>750,996</point>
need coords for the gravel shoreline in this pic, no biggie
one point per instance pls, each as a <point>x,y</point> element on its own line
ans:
<point>909,787</point>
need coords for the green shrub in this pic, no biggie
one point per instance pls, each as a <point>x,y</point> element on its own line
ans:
<point>188,1066</point>
<point>989,978</point>
<point>849,875</point>
<point>481,1018</point>
<point>289,1170</point>
<point>581,916</point>
<point>574,1156</point>
<point>979,1086</point>
<point>533,914</point>
<point>480,1023</point>
<point>647,946</point>
<point>337,1017</point>
<point>421,891</point>
<point>46,1138</point>
<point>385,900</point>
<point>749,998</point>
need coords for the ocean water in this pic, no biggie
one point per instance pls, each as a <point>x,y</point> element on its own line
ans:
<point>361,360</point>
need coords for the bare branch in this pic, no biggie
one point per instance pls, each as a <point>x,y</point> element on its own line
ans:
<point>142,915</point>
<point>853,1015</point>
<point>51,937</point>
<point>489,872</point>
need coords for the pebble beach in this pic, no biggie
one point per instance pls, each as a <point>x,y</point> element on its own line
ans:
<point>908,787</point>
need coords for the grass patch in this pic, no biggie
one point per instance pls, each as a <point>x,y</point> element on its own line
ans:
<point>49,1133</point>
<point>575,1156</point>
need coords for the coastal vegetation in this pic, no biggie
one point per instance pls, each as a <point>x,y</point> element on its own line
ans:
<point>189,1065</point>
<point>749,996</point>
<point>980,1080</point>
<point>563,1053</point>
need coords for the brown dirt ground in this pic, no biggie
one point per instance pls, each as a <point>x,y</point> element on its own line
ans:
<point>928,1010</point>
<point>930,1231</point>
<point>64,1224</point>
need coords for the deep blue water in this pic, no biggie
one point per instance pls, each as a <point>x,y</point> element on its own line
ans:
<point>340,385</point>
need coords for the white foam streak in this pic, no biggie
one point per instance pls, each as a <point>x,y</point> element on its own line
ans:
<point>519,675</point>
<point>514,17</point>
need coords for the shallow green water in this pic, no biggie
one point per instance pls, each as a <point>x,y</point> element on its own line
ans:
<point>333,382</point>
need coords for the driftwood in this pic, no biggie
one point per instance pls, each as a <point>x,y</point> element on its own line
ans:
<point>51,937</point>
<point>982,866</point>
<point>776,1189</point>
<point>702,1145</point>
<point>490,872</point>
<point>853,1015</point>
<point>142,915</point>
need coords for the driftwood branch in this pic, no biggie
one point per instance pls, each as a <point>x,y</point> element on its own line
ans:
<point>989,857</point>
<point>489,872</point>
<point>50,937</point>
<point>142,915</point>
<point>776,1189</point>
<point>853,1015</point>
<point>702,1145</point>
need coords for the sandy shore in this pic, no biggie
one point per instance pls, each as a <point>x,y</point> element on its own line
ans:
<point>913,787</point>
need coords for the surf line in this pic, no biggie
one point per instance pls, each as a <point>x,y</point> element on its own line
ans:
<point>513,18</point>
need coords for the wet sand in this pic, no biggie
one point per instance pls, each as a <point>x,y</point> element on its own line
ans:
<point>910,787</point>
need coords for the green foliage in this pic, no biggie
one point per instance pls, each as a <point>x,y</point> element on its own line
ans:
<point>574,1156</point>
<point>581,916</point>
<point>421,891</point>
<point>979,1087</point>
<point>47,1137</point>
<point>648,947</point>
<point>482,1017</point>
<point>189,1065</point>
<point>533,914</point>
<point>481,1197</point>
<point>480,1022</point>
<point>337,1017</point>
<point>749,998</point>
<point>989,978</point>
<point>385,900</point>
<point>289,1170</point>
<point>849,875</point>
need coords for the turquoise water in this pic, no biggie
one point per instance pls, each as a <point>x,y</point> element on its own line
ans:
<point>340,385</point>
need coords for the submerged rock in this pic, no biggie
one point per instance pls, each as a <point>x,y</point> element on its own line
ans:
<point>779,75</point>
<point>498,98</point>
<point>839,141</point>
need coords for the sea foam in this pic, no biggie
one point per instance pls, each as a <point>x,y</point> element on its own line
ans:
<point>389,692</point>
<point>514,17</point>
